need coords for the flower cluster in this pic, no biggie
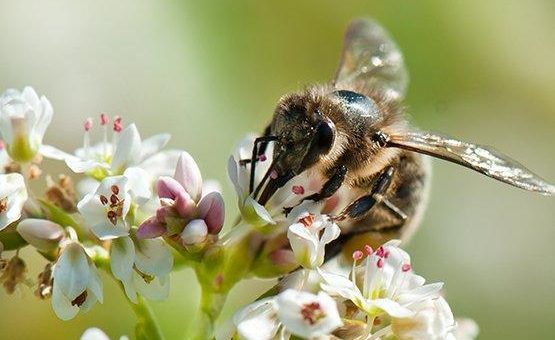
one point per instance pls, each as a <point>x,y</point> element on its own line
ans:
<point>138,211</point>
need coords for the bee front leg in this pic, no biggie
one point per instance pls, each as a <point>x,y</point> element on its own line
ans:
<point>328,189</point>
<point>364,204</point>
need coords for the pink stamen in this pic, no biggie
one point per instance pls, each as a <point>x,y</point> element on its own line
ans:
<point>88,124</point>
<point>104,119</point>
<point>368,250</point>
<point>307,220</point>
<point>386,255</point>
<point>380,263</point>
<point>406,267</point>
<point>380,252</point>
<point>262,158</point>
<point>273,174</point>
<point>357,255</point>
<point>298,189</point>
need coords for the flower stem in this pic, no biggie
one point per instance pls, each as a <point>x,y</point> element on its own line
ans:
<point>211,304</point>
<point>147,326</point>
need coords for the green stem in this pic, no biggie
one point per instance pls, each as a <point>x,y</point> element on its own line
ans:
<point>211,305</point>
<point>147,326</point>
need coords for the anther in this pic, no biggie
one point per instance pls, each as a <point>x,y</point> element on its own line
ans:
<point>114,189</point>
<point>88,124</point>
<point>114,200</point>
<point>380,263</point>
<point>406,267</point>
<point>104,119</point>
<point>307,220</point>
<point>103,200</point>
<point>357,255</point>
<point>298,189</point>
<point>368,250</point>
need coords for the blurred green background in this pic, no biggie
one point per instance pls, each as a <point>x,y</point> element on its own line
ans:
<point>210,71</point>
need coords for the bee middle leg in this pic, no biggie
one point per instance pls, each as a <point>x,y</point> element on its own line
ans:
<point>364,204</point>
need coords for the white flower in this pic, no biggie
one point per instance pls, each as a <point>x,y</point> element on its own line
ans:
<point>291,312</point>
<point>239,173</point>
<point>257,321</point>
<point>432,320</point>
<point>307,315</point>
<point>110,158</point>
<point>388,283</point>
<point>77,285</point>
<point>106,209</point>
<point>13,195</point>
<point>309,237</point>
<point>24,118</point>
<point>466,329</point>
<point>4,157</point>
<point>94,333</point>
<point>143,266</point>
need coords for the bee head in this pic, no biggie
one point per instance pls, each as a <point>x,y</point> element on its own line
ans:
<point>303,136</point>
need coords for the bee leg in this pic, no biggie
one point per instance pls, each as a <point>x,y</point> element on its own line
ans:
<point>255,157</point>
<point>328,189</point>
<point>364,204</point>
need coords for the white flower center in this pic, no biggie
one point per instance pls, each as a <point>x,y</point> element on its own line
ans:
<point>114,205</point>
<point>312,312</point>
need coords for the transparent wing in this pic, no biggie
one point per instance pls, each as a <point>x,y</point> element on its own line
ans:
<point>371,56</point>
<point>477,157</point>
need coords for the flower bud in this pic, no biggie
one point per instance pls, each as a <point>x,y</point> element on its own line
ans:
<point>150,228</point>
<point>212,210</point>
<point>169,188</point>
<point>195,232</point>
<point>188,174</point>
<point>41,234</point>
<point>23,120</point>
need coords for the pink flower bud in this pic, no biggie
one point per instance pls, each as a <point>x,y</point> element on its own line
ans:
<point>150,228</point>
<point>195,232</point>
<point>104,119</point>
<point>168,187</point>
<point>283,257</point>
<point>212,211</point>
<point>88,124</point>
<point>188,174</point>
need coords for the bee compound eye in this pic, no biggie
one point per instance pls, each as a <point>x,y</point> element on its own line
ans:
<point>321,142</point>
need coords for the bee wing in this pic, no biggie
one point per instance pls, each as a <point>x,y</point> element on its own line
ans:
<point>371,56</point>
<point>477,157</point>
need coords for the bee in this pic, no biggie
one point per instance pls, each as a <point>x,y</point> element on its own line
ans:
<point>353,133</point>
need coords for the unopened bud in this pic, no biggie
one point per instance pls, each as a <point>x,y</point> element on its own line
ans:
<point>41,234</point>
<point>195,232</point>
<point>212,211</point>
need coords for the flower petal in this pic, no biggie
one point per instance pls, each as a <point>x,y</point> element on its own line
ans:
<point>212,211</point>
<point>128,149</point>
<point>188,174</point>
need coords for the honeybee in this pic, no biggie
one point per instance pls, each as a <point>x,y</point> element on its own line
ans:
<point>354,134</point>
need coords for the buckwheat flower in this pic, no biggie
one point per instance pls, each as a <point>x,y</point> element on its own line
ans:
<point>106,209</point>
<point>185,210</point>
<point>13,196</point>
<point>4,157</point>
<point>94,333</point>
<point>257,321</point>
<point>143,267</point>
<point>432,320</point>
<point>239,172</point>
<point>307,315</point>
<point>24,118</point>
<point>309,236</point>
<point>388,284</point>
<point>77,284</point>
<point>109,158</point>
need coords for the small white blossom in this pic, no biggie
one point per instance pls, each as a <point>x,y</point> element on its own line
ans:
<point>309,237</point>
<point>13,195</point>
<point>291,312</point>
<point>94,333</point>
<point>257,321</point>
<point>24,118</point>
<point>106,209</point>
<point>432,320</point>
<point>111,158</point>
<point>307,315</point>
<point>239,173</point>
<point>77,285</point>
<point>388,284</point>
<point>143,266</point>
